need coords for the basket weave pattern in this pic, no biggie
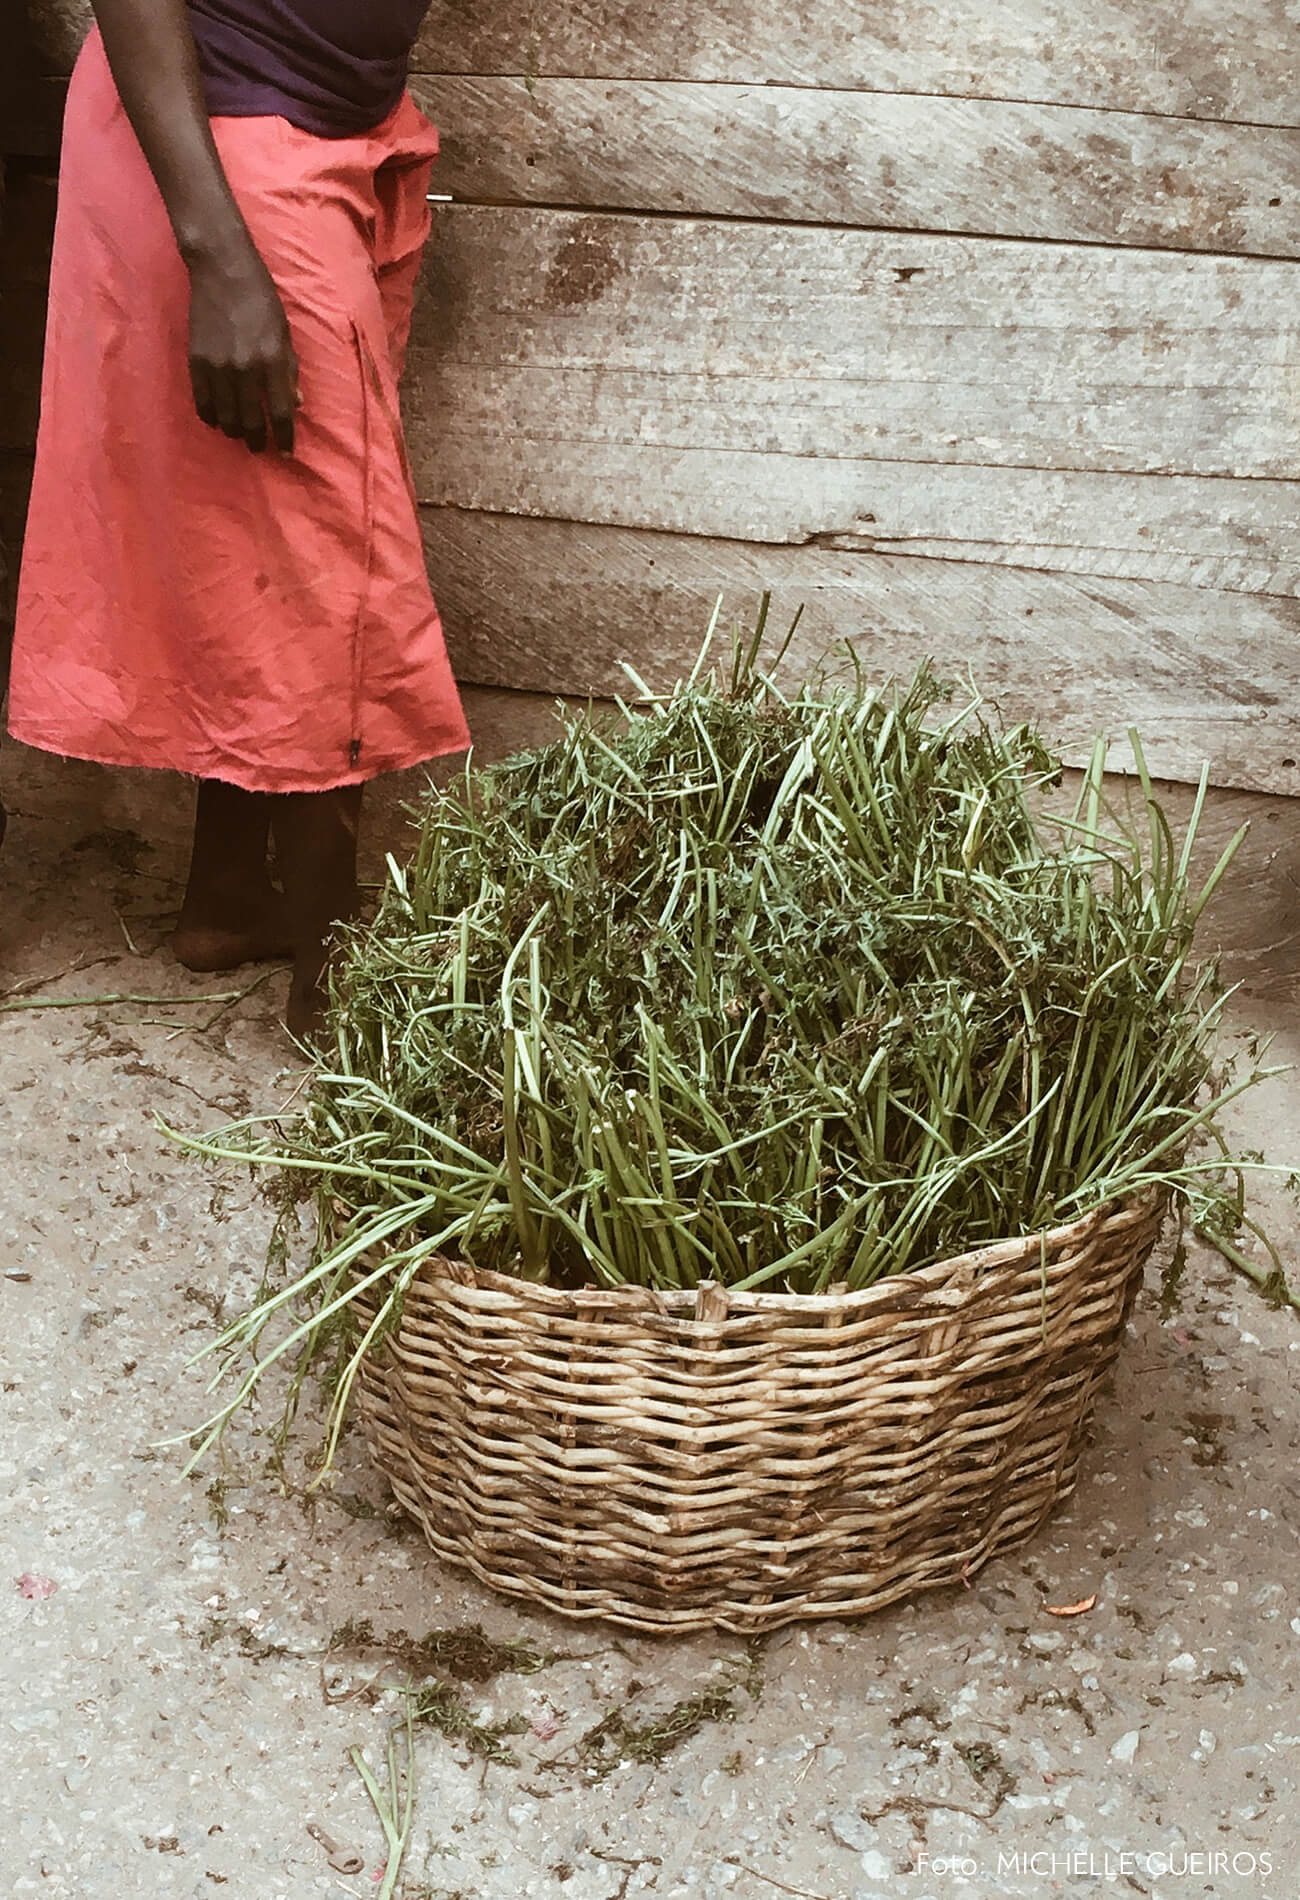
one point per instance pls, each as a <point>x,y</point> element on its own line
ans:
<point>713,1459</point>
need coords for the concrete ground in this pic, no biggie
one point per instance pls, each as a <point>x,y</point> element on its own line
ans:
<point>177,1711</point>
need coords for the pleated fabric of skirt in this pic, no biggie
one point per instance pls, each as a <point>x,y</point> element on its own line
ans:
<point>261,619</point>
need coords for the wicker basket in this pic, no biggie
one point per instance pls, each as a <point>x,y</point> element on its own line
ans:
<point>725,1460</point>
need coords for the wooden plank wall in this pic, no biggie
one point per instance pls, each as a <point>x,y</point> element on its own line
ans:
<point>971,325</point>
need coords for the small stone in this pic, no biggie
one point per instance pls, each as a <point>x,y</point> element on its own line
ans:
<point>1045,1641</point>
<point>1126,1747</point>
<point>1208,1741</point>
<point>31,1719</point>
<point>877,1866</point>
<point>1182,1665</point>
<point>850,1830</point>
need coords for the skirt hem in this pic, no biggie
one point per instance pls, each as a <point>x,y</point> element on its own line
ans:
<point>240,777</point>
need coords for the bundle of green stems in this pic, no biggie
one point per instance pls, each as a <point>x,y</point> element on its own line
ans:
<point>786,992</point>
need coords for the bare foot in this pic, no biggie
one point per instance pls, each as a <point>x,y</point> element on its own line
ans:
<point>263,935</point>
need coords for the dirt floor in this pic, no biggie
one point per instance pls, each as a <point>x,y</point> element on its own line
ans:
<point>186,1664</point>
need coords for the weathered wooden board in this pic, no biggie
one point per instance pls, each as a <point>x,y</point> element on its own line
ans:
<point>869,158</point>
<point>1208,59</point>
<point>791,340</point>
<point>552,606</point>
<point>1199,531</point>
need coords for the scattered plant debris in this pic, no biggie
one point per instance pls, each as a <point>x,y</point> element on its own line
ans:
<point>617,1738</point>
<point>440,1705</point>
<point>465,1653</point>
<point>432,1667</point>
<point>1072,1609</point>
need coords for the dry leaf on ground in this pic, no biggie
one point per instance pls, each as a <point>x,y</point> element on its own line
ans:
<point>1071,1609</point>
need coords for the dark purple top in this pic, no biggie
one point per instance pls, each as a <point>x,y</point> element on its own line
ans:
<point>330,66</point>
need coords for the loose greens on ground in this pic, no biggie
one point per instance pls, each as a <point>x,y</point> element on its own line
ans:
<point>789,992</point>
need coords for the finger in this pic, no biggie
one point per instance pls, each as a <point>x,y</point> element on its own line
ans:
<point>281,402</point>
<point>225,401</point>
<point>204,401</point>
<point>250,392</point>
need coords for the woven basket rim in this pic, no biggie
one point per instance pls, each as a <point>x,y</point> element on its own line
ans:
<point>712,1300</point>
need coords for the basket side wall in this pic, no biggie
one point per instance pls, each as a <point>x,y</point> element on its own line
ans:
<point>780,1460</point>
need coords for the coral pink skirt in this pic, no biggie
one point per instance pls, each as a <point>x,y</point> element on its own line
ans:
<point>261,619</point>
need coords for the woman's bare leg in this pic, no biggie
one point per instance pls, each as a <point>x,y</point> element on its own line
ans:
<point>316,852</point>
<point>232,913</point>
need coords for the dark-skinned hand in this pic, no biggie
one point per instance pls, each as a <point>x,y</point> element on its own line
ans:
<point>242,365</point>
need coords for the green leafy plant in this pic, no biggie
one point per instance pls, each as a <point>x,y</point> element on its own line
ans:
<point>787,992</point>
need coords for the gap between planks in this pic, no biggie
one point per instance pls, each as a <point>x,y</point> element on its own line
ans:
<point>54,85</point>
<point>559,209</point>
<point>883,92</point>
<point>845,541</point>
